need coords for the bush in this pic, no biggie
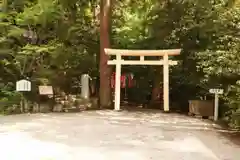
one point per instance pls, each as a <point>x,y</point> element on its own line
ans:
<point>9,101</point>
<point>233,102</point>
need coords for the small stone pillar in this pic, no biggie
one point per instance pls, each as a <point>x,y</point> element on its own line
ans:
<point>85,86</point>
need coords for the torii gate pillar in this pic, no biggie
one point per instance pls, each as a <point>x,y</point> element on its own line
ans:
<point>165,83</point>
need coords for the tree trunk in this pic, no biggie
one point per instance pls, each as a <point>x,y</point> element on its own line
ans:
<point>105,90</point>
<point>4,6</point>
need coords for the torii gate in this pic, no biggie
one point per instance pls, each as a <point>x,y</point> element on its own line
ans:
<point>142,53</point>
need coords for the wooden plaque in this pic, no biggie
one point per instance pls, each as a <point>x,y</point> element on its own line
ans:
<point>23,86</point>
<point>45,90</point>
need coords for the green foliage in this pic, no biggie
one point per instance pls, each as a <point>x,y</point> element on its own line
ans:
<point>220,62</point>
<point>10,100</point>
<point>46,41</point>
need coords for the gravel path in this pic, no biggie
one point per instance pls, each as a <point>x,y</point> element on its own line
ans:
<point>109,135</point>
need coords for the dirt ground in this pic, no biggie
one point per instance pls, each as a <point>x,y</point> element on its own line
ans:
<point>110,135</point>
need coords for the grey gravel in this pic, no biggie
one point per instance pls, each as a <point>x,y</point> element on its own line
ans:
<point>110,135</point>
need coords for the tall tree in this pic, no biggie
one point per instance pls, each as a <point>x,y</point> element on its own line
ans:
<point>105,90</point>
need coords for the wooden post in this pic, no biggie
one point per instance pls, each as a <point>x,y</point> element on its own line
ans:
<point>216,107</point>
<point>117,83</point>
<point>216,92</point>
<point>165,83</point>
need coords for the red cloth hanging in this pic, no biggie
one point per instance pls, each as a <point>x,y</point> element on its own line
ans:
<point>123,81</point>
<point>130,81</point>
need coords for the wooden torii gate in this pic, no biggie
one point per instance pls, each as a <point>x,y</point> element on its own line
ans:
<point>142,53</point>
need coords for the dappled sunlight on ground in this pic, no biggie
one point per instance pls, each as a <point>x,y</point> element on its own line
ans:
<point>107,135</point>
<point>18,144</point>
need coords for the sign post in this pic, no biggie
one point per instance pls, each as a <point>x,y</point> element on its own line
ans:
<point>46,93</point>
<point>216,101</point>
<point>23,86</point>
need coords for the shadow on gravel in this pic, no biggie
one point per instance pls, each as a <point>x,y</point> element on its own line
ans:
<point>223,130</point>
<point>132,108</point>
<point>233,137</point>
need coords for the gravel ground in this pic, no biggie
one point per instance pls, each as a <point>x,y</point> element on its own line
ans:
<point>110,135</point>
